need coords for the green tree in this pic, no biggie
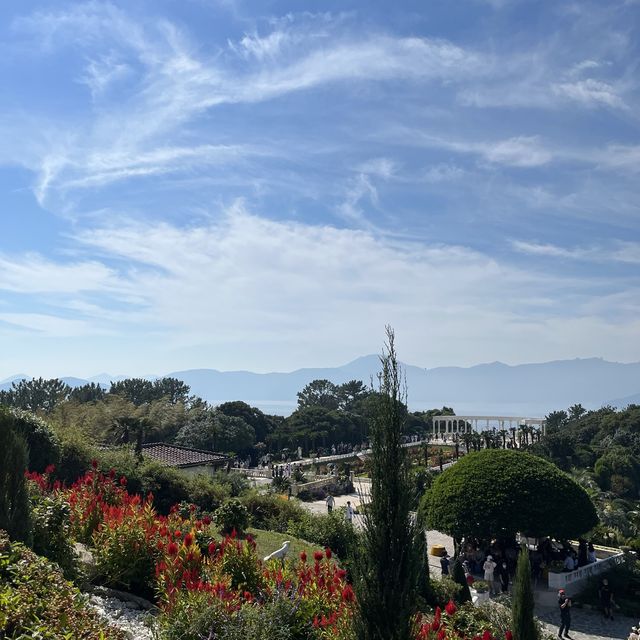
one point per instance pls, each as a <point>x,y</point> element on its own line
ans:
<point>37,394</point>
<point>14,501</point>
<point>511,492</point>
<point>555,420</point>
<point>135,390</point>
<point>319,393</point>
<point>523,625</point>
<point>91,392</point>
<point>171,389</point>
<point>388,560</point>
<point>261,423</point>
<point>576,411</point>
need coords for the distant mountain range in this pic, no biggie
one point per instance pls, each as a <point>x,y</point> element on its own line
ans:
<point>484,389</point>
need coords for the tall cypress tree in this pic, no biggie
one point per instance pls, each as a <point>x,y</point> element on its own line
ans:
<point>388,562</point>
<point>523,624</point>
<point>14,500</point>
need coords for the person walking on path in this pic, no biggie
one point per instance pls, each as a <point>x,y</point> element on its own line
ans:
<point>444,564</point>
<point>331,502</point>
<point>503,572</point>
<point>565,614</point>
<point>606,599</point>
<point>349,512</point>
<point>489,567</point>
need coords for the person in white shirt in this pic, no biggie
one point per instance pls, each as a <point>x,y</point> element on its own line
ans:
<point>489,566</point>
<point>331,501</point>
<point>349,512</point>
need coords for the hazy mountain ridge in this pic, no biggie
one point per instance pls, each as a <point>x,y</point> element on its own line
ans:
<point>487,388</point>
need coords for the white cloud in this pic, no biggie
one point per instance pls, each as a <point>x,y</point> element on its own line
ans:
<point>34,274</point>
<point>625,252</point>
<point>590,92</point>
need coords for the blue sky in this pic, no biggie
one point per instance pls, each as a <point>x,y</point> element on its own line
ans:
<point>264,185</point>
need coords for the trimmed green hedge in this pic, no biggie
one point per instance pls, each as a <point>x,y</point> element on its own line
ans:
<point>499,492</point>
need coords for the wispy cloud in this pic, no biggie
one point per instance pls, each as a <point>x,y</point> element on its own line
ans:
<point>625,252</point>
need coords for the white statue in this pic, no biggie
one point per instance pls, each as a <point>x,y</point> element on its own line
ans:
<point>280,553</point>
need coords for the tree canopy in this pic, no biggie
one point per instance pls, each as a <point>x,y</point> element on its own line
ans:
<point>498,492</point>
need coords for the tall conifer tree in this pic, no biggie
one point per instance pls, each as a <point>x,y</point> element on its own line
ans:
<point>388,563</point>
<point>523,624</point>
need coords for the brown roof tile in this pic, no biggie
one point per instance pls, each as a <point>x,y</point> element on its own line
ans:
<point>173,455</point>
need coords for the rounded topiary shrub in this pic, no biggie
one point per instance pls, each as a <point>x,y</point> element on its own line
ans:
<point>499,492</point>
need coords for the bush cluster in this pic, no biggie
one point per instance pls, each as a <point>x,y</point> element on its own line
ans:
<point>37,602</point>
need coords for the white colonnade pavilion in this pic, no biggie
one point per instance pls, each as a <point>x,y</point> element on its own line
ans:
<point>469,424</point>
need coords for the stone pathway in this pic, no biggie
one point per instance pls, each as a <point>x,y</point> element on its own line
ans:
<point>587,624</point>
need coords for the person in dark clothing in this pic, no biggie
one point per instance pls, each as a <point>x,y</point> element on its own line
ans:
<point>444,564</point>
<point>583,558</point>
<point>565,614</point>
<point>606,599</point>
<point>503,572</point>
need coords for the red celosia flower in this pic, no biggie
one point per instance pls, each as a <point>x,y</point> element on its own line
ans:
<point>442,634</point>
<point>50,468</point>
<point>303,556</point>
<point>206,520</point>
<point>212,548</point>
<point>112,473</point>
<point>94,463</point>
<point>347,594</point>
<point>188,540</point>
<point>327,552</point>
<point>486,635</point>
<point>318,555</point>
<point>508,635</point>
<point>123,481</point>
<point>172,548</point>
<point>192,507</point>
<point>177,533</point>
<point>450,608</point>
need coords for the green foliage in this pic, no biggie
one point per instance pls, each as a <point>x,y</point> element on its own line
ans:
<point>442,590</point>
<point>497,492</point>
<point>36,395</point>
<point>523,626</point>
<point>232,515</point>
<point>168,485</point>
<point>261,423</point>
<point>14,501</point>
<point>36,602</point>
<point>269,511</point>
<point>125,559</point>
<point>75,458</point>
<point>331,530</point>
<point>51,531</point>
<point>42,443</point>
<point>457,574</point>
<point>387,563</point>
<point>90,392</point>
<point>212,430</point>
<point>618,471</point>
<point>279,618</point>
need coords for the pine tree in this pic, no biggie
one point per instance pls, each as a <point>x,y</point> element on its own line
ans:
<point>389,560</point>
<point>523,624</point>
<point>14,501</point>
<point>458,575</point>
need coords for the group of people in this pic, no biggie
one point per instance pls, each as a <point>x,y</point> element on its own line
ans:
<point>287,470</point>
<point>496,574</point>
<point>349,509</point>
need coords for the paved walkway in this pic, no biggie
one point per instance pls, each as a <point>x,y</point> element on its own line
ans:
<point>587,624</point>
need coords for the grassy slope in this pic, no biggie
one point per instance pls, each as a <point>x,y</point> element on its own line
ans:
<point>269,541</point>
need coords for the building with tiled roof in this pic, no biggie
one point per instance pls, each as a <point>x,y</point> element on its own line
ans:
<point>193,461</point>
